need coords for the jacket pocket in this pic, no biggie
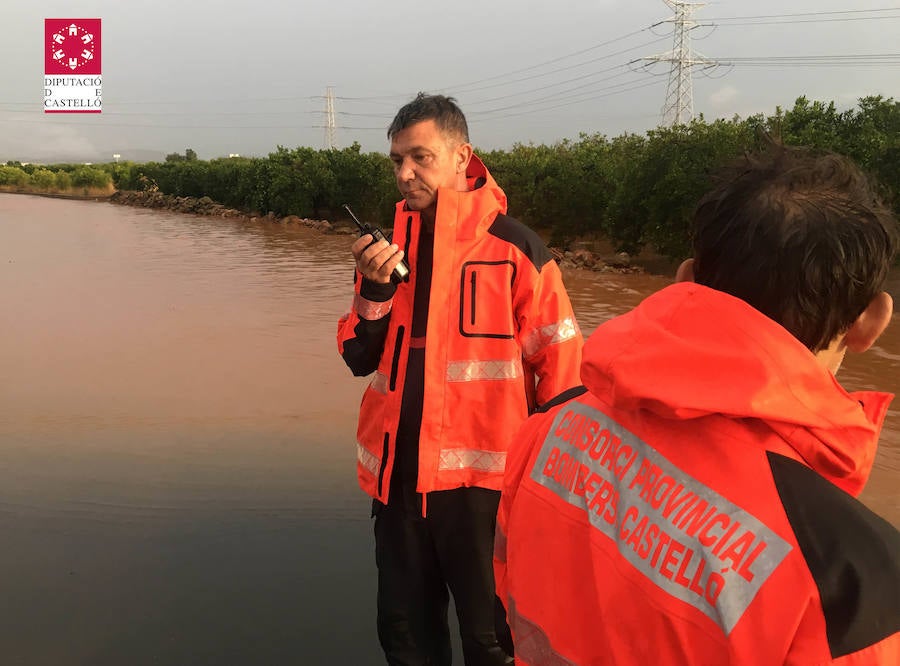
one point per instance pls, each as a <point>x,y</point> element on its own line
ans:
<point>485,300</point>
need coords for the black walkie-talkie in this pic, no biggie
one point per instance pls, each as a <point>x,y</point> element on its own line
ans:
<point>401,270</point>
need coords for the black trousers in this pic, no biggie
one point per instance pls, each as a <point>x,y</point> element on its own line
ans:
<point>421,561</point>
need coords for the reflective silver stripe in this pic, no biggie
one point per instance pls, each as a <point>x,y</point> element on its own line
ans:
<point>367,459</point>
<point>371,310</point>
<point>471,371</point>
<point>532,644</point>
<point>691,542</point>
<point>550,334</point>
<point>379,383</point>
<point>482,461</point>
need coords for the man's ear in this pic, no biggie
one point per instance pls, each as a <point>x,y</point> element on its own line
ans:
<point>685,272</point>
<point>870,324</point>
<point>463,156</point>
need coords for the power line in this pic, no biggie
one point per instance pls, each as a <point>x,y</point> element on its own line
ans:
<point>475,117</point>
<point>368,98</point>
<point>581,92</point>
<point>556,96</point>
<point>831,13</point>
<point>365,115</point>
<point>561,92</point>
<point>467,86</point>
<point>825,20</point>
<point>589,99</point>
<point>826,56</point>
<point>856,59</point>
<point>628,117</point>
<point>579,101</point>
<point>348,127</point>
<point>222,101</point>
<point>568,67</point>
<point>461,86</point>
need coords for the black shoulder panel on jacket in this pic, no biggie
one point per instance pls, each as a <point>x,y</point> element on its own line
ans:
<point>853,555</point>
<point>512,231</point>
<point>565,396</point>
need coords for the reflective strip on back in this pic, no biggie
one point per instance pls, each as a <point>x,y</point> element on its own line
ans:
<point>686,538</point>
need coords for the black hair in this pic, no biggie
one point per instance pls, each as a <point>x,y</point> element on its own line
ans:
<point>801,236</point>
<point>441,109</point>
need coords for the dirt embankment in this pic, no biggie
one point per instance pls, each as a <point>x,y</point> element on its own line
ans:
<point>581,256</point>
<point>207,207</point>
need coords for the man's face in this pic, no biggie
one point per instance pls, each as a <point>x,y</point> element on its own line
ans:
<point>424,160</point>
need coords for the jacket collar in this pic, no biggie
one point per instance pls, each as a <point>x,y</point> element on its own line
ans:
<point>470,213</point>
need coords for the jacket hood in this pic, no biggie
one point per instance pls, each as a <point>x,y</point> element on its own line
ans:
<point>689,351</point>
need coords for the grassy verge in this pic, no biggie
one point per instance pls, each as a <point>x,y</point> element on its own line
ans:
<point>66,193</point>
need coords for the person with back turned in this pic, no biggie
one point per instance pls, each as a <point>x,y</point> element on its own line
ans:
<point>477,334</point>
<point>694,501</point>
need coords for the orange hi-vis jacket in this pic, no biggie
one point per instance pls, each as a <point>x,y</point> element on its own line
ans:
<point>694,502</point>
<point>499,319</point>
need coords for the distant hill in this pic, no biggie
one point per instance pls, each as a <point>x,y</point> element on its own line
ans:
<point>98,157</point>
<point>141,155</point>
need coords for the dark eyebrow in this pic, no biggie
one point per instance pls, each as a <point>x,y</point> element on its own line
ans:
<point>414,149</point>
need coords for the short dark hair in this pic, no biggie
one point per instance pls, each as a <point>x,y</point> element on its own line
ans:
<point>441,109</point>
<point>801,236</point>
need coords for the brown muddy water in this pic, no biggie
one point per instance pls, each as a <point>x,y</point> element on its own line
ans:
<point>177,457</point>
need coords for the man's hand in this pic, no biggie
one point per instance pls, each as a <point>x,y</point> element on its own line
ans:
<point>376,263</point>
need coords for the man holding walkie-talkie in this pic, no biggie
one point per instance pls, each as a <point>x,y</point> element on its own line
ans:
<point>465,338</point>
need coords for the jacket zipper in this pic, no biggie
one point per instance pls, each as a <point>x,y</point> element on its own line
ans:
<point>406,245</point>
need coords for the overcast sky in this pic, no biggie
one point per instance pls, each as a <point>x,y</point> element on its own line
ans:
<point>221,76</point>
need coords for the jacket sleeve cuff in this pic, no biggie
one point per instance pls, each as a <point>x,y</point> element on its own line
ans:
<point>375,291</point>
<point>374,300</point>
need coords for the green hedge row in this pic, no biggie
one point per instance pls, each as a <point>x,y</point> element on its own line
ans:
<point>640,190</point>
<point>303,181</point>
<point>59,177</point>
<point>635,190</point>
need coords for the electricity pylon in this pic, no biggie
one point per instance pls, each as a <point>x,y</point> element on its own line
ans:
<point>679,106</point>
<point>329,118</point>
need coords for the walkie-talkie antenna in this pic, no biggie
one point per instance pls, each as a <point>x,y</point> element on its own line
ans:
<point>362,227</point>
